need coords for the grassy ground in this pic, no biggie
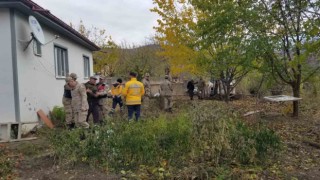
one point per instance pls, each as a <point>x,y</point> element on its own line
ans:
<point>299,158</point>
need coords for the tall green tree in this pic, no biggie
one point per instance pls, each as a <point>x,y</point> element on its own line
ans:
<point>282,34</point>
<point>223,40</point>
<point>288,36</point>
<point>196,39</point>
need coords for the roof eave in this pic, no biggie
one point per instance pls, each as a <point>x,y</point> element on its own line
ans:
<point>48,22</point>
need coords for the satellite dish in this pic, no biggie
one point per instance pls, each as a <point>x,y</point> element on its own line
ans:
<point>36,29</point>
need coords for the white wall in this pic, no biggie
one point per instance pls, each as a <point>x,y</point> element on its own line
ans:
<point>39,88</point>
<point>7,108</point>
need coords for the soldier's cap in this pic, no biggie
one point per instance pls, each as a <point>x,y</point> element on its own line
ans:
<point>73,75</point>
<point>93,77</point>
<point>166,77</point>
<point>68,79</point>
<point>147,75</point>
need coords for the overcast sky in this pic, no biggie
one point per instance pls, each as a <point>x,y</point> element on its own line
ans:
<point>127,21</point>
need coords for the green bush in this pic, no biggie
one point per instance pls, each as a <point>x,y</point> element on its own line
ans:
<point>259,84</point>
<point>57,116</point>
<point>209,135</point>
<point>152,141</point>
<point>221,137</point>
<point>125,145</point>
<point>211,131</point>
<point>253,145</point>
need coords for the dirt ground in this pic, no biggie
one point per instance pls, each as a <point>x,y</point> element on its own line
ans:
<point>299,159</point>
<point>37,163</point>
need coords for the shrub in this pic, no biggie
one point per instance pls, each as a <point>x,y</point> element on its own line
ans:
<point>209,135</point>
<point>125,145</point>
<point>221,137</point>
<point>57,116</point>
<point>253,145</point>
<point>211,126</point>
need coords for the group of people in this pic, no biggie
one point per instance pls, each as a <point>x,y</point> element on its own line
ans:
<point>80,100</point>
<point>201,88</point>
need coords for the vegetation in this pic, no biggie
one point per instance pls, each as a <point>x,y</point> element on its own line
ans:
<point>8,161</point>
<point>57,115</point>
<point>202,139</point>
<point>119,59</point>
<point>166,145</point>
<point>228,39</point>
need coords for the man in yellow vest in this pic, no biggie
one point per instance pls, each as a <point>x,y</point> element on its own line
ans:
<point>133,91</point>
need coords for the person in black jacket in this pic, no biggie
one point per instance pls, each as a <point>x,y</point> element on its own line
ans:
<point>93,100</point>
<point>190,87</point>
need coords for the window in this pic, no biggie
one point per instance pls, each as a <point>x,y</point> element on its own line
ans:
<point>37,48</point>
<point>61,61</point>
<point>86,65</point>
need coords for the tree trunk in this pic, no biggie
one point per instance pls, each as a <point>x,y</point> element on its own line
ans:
<point>296,93</point>
<point>216,86</point>
<point>227,91</point>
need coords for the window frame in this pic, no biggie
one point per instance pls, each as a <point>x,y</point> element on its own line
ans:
<point>65,64</point>
<point>86,58</point>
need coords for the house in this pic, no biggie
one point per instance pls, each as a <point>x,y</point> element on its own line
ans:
<point>32,76</point>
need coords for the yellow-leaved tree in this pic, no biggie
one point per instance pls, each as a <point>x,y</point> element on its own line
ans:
<point>175,35</point>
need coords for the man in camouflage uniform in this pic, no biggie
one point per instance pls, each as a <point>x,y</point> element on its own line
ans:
<point>103,89</point>
<point>166,93</point>
<point>66,101</point>
<point>79,102</point>
<point>201,86</point>
<point>147,88</point>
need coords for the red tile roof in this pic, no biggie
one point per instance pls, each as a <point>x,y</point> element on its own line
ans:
<point>35,7</point>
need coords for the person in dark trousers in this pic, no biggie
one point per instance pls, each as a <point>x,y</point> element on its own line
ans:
<point>93,100</point>
<point>133,91</point>
<point>116,91</point>
<point>103,89</point>
<point>190,87</point>
<point>67,104</point>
